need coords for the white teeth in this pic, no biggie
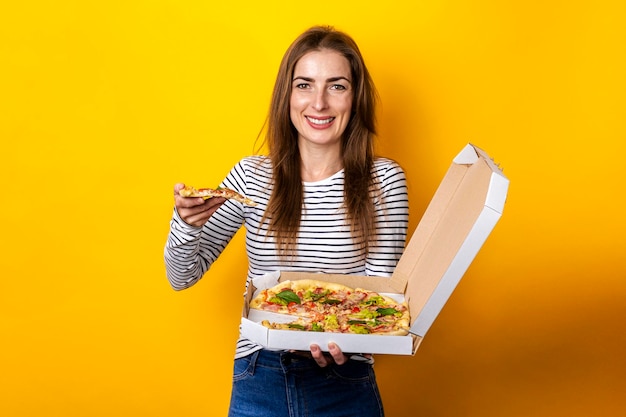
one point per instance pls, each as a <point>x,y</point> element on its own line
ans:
<point>319,121</point>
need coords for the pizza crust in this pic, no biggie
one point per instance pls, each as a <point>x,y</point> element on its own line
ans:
<point>207,193</point>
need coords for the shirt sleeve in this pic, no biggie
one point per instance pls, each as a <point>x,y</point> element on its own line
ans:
<point>190,251</point>
<point>392,216</point>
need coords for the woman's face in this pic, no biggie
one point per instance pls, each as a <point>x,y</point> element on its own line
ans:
<point>321,97</point>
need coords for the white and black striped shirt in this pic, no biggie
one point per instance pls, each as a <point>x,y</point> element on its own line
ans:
<point>324,243</point>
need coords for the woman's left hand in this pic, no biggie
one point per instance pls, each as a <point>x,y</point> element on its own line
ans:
<point>336,355</point>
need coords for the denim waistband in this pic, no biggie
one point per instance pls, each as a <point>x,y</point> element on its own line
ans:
<point>282,358</point>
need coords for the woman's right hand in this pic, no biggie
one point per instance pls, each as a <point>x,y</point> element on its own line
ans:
<point>195,211</point>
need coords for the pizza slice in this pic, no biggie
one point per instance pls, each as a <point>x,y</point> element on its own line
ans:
<point>207,193</point>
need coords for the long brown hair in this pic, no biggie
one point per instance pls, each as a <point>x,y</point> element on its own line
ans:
<point>284,209</point>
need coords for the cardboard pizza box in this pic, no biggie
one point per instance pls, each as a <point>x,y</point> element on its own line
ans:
<point>464,210</point>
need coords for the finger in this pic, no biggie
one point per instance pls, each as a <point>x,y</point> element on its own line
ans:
<point>188,201</point>
<point>181,201</point>
<point>318,356</point>
<point>177,187</point>
<point>337,354</point>
<point>214,202</point>
<point>214,205</point>
<point>198,214</point>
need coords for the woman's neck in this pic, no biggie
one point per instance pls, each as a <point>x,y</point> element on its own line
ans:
<point>319,164</point>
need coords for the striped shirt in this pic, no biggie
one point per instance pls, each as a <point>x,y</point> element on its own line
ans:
<point>324,242</point>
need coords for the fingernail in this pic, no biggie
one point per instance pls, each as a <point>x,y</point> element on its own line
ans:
<point>314,348</point>
<point>332,346</point>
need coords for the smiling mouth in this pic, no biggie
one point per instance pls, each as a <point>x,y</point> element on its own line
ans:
<point>320,122</point>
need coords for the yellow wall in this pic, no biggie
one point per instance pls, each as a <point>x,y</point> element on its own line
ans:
<point>99,99</point>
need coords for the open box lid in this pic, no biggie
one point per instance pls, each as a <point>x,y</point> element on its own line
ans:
<point>464,210</point>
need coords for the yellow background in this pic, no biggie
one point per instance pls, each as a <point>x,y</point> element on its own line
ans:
<point>100,99</point>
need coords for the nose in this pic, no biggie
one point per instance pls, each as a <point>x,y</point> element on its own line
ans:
<point>320,100</point>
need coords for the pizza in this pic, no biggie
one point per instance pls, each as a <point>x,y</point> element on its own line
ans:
<point>321,306</point>
<point>207,193</point>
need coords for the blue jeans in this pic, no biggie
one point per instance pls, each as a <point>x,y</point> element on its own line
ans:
<point>283,384</point>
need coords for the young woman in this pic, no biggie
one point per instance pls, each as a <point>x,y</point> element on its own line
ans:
<point>325,204</point>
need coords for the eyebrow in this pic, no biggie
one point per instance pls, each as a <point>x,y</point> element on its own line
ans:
<point>328,80</point>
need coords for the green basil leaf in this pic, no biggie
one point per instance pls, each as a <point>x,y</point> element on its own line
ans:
<point>331,301</point>
<point>277,300</point>
<point>289,296</point>
<point>386,311</point>
<point>318,296</point>
<point>296,326</point>
<point>375,300</point>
